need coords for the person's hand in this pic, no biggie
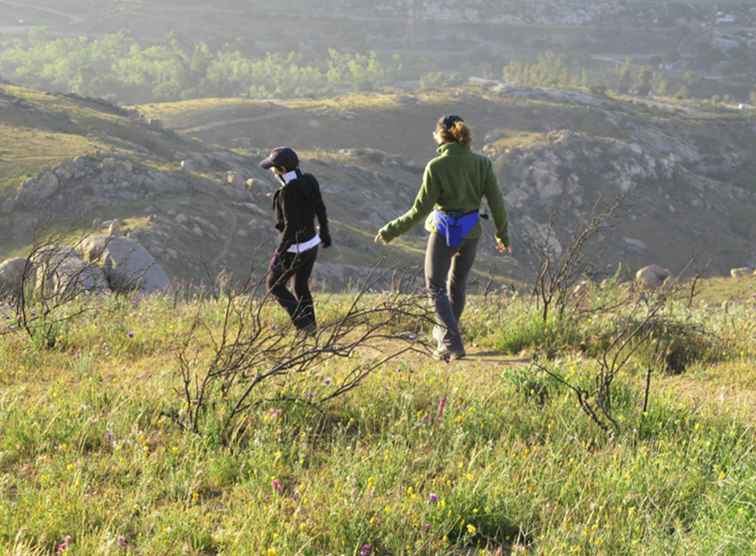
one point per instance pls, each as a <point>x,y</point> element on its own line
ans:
<point>325,240</point>
<point>503,248</point>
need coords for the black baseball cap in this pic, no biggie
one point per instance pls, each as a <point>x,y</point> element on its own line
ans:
<point>281,157</point>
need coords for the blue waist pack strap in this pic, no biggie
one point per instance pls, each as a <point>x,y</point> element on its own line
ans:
<point>455,226</point>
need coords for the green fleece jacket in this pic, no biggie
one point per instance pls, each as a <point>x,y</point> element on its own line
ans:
<point>456,180</point>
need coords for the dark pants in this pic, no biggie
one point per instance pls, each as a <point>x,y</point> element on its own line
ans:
<point>299,267</point>
<point>446,273</point>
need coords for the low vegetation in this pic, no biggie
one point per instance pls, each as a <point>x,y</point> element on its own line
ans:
<point>117,65</point>
<point>486,456</point>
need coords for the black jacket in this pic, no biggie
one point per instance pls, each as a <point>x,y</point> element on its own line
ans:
<point>296,205</point>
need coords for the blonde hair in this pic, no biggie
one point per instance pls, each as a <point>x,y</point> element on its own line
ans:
<point>457,133</point>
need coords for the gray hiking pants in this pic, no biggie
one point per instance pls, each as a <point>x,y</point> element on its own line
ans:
<point>446,273</point>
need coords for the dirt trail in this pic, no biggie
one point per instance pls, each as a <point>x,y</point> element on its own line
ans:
<point>224,123</point>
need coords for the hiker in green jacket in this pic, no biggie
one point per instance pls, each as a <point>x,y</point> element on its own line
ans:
<point>454,185</point>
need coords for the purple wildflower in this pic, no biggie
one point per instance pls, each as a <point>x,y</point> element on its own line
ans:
<point>122,542</point>
<point>366,549</point>
<point>433,498</point>
<point>65,545</point>
<point>277,485</point>
<point>130,334</point>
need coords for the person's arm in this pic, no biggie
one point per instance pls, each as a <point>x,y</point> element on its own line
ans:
<point>288,231</point>
<point>496,204</point>
<point>423,205</point>
<point>322,215</point>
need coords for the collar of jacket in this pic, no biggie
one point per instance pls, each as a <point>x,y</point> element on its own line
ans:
<point>453,148</point>
<point>291,176</point>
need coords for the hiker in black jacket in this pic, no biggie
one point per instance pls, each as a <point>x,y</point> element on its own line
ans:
<point>296,204</point>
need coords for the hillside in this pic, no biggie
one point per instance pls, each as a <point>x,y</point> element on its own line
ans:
<point>70,164</point>
<point>686,170</point>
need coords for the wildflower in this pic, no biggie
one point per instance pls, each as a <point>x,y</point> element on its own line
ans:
<point>277,485</point>
<point>366,549</point>
<point>471,529</point>
<point>272,551</point>
<point>130,334</point>
<point>65,545</point>
<point>327,381</point>
<point>122,542</point>
<point>433,498</point>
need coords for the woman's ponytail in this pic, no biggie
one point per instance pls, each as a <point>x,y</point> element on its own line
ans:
<point>454,131</point>
<point>461,133</point>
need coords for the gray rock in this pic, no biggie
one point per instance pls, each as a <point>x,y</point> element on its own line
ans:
<point>11,276</point>
<point>652,276</point>
<point>742,272</point>
<point>37,190</point>
<point>127,265</point>
<point>235,180</point>
<point>61,275</point>
<point>636,244</point>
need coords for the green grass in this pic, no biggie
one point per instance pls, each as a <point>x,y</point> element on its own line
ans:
<point>424,458</point>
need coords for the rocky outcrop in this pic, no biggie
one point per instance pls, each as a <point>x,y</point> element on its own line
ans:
<point>12,276</point>
<point>652,277</point>
<point>90,181</point>
<point>126,264</point>
<point>62,275</point>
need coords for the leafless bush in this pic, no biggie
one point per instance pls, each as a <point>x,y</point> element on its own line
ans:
<point>242,362</point>
<point>51,291</point>
<point>638,326</point>
<point>560,269</point>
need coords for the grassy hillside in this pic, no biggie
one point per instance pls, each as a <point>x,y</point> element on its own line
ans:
<point>486,456</point>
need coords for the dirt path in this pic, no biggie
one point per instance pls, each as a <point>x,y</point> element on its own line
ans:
<point>224,123</point>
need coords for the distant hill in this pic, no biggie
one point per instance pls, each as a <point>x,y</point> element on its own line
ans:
<point>686,170</point>
<point>70,164</point>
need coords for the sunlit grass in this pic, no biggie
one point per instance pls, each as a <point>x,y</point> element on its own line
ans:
<point>424,458</point>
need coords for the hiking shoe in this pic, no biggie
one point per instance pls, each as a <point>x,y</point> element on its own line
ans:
<point>446,355</point>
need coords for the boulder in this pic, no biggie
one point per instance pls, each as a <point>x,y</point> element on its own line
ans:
<point>235,180</point>
<point>37,190</point>
<point>652,276</point>
<point>127,265</point>
<point>741,272</point>
<point>189,165</point>
<point>62,275</point>
<point>11,276</point>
